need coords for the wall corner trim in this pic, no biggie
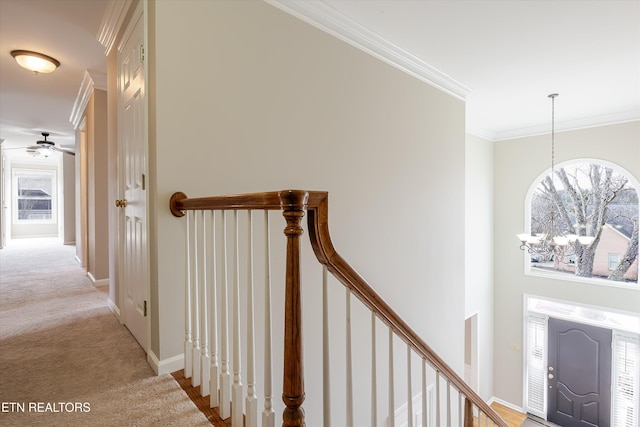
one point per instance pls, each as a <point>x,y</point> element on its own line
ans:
<point>92,80</point>
<point>114,309</point>
<point>166,366</point>
<point>329,20</point>
<point>111,22</point>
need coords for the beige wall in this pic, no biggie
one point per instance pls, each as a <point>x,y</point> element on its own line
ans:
<point>69,195</point>
<point>479,253</point>
<point>97,227</point>
<point>517,163</point>
<point>272,103</point>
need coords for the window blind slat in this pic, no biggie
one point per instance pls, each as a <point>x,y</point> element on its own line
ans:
<point>626,378</point>
<point>536,349</point>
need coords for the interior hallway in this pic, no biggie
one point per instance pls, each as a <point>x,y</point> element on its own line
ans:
<point>65,358</point>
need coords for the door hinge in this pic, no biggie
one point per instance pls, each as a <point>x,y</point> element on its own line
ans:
<point>145,309</point>
<point>144,184</point>
<point>141,53</point>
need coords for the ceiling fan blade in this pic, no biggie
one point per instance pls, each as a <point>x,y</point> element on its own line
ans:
<point>63,150</point>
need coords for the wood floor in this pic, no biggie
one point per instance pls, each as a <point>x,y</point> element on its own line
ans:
<point>202,403</point>
<point>512,418</point>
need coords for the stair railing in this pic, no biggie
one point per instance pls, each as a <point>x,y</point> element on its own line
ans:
<point>445,400</point>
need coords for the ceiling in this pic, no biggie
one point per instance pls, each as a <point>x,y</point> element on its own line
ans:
<point>63,29</point>
<point>507,54</point>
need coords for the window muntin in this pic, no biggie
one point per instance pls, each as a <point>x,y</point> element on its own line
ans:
<point>614,261</point>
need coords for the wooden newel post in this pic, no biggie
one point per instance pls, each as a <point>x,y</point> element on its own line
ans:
<point>293,204</point>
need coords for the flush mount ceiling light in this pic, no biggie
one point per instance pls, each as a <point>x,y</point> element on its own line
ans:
<point>34,61</point>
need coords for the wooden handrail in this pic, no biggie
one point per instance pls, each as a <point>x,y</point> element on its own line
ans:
<point>316,205</point>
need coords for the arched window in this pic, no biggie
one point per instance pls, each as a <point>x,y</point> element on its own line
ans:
<point>595,202</point>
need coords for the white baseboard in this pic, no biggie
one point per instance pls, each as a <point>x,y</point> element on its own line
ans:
<point>114,309</point>
<point>507,404</point>
<point>166,366</point>
<point>98,282</point>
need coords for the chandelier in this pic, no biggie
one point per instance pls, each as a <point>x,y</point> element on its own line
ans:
<point>552,243</point>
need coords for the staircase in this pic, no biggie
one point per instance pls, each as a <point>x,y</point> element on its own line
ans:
<point>368,367</point>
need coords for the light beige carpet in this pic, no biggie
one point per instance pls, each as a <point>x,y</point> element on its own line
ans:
<point>65,360</point>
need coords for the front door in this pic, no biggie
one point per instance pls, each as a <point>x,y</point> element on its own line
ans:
<point>579,374</point>
<point>131,172</point>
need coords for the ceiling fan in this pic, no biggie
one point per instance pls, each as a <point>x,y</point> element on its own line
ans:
<point>43,146</point>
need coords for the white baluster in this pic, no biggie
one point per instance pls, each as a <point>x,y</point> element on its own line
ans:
<point>236,389</point>
<point>268,414</point>
<point>251,400</point>
<point>409,393</point>
<point>205,358</point>
<point>188,344</point>
<point>195,379</point>
<point>437,398</point>
<point>349,360</point>
<point>214,398</point>
<point>448,403</point>
<point>326,365</point>
<point>424,393</point>
<point>374,374</point>
<point>460,409</point>
<point>225,376</point>
<point>392,409</point>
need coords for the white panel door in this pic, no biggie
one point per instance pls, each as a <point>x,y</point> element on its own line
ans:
<point>132,171</point>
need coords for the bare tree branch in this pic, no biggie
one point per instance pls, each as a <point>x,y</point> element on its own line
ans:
<point>629,257</point>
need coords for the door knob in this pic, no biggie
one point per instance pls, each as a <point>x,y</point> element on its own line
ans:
<point>121,203</point>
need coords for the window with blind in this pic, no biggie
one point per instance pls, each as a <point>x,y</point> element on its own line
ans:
<point>536,365</point>
<point>626,379</point>
<point>34,196</point>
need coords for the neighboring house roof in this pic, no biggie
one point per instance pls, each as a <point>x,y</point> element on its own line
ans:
<point>26,192</point>
<point>618,218</point>
<point>621,230</point>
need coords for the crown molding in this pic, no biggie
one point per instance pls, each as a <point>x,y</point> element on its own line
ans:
<point>111,22</point>
<point>568,125</point>
<point>92,80</point>
<point>329,20</point>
